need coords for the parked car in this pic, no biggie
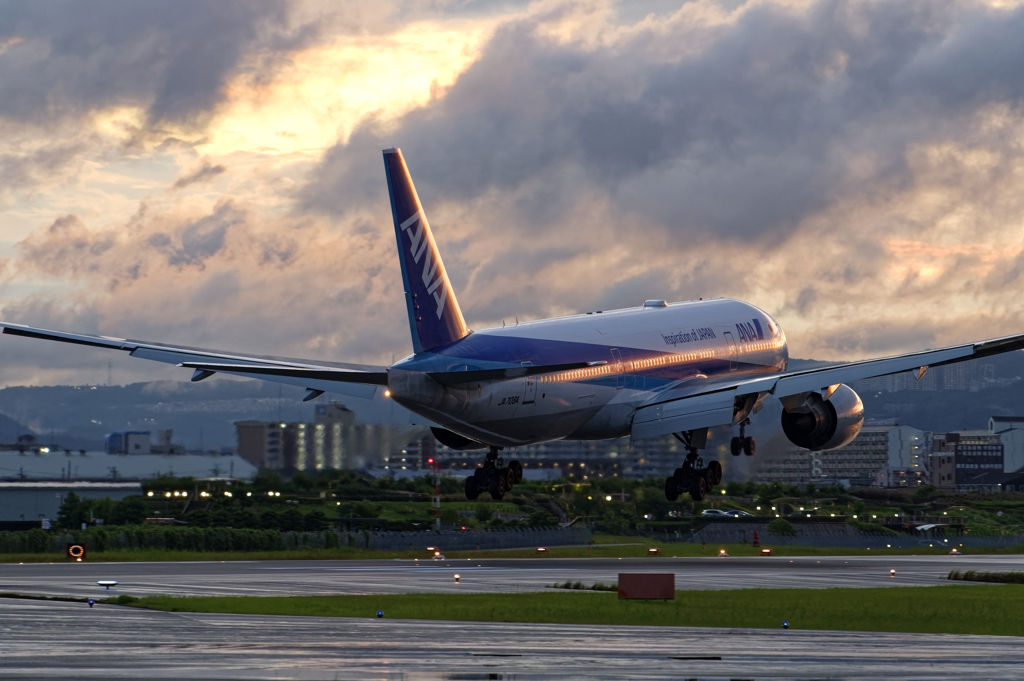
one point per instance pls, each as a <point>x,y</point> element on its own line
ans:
<point>714,512</point>
<point>736,513</point>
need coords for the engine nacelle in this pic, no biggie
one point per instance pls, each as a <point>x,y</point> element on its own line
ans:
<point>817,423</point>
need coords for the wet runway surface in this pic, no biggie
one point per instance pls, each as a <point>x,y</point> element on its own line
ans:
<point>278,578</point>
<point>51,640</point>
<point>40,639</point>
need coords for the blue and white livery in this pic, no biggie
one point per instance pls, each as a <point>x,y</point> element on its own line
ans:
<point>647,371</point>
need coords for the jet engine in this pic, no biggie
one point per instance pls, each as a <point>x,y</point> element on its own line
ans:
<point>815,421</point>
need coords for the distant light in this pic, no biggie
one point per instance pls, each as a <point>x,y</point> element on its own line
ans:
<point>339,503</point>
<point>167,494</point>
<point>456,579</point>
<point>227,494</point>
<point>855,515</point>
<point>387,393</point>
<point>248,494</point>
<point>723,491</point>
<point>892,573</point>
<point>874,516</point>
<point>430,460</point>
<point>277,494</point>
<point>44,450</point>
<point>149,494</point>
<point>833,515</point>
<point>184,494</point>
<point>177,494</point>
<point>758,508</point>
<point>608,497</point>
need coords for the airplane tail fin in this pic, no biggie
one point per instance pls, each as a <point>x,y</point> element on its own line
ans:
<point>434,314</point>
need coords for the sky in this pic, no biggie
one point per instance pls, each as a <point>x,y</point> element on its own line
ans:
<point>210,174</point>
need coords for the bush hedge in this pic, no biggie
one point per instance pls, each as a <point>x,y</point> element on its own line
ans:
<point>170,538</point>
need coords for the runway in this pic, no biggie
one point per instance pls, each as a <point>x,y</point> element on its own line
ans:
<point>277,578</point>
<point>69,640</point>
<point>52,640</point>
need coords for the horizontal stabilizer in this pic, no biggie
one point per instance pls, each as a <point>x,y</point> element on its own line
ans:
<point>454,378</point>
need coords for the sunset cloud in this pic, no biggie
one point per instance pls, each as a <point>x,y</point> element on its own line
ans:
<point>211,175</point>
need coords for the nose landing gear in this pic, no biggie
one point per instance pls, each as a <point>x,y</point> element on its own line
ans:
<point>693,476</point>
<point>495,477</point>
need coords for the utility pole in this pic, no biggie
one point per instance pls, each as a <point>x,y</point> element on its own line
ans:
<point>435,466</point>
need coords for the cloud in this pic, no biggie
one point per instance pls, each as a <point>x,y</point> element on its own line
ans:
<point>174,60</point>
<point>202,174</point>
<point>851,167</point>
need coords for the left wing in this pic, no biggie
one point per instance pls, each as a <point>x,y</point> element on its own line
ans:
<point>357,380</point>
<point>706,403</point>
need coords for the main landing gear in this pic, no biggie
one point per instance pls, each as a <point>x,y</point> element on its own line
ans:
<point>693,476</point>
<point>495,477</point>
<point>743,444</point>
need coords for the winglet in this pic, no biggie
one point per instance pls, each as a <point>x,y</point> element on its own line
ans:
<point>434,315</point>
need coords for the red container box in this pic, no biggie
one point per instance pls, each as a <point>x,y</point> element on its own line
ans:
<point>647,586</point>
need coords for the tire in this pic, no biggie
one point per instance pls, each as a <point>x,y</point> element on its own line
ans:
<point>715,473</point>
<point>749,446</point>
<point>671,489</point>
<point>498,487</point>
<point>472,488</point>
<point>698,488</point>
<point>517,468</point>
<point>735,446</point>
<point>510,478</point>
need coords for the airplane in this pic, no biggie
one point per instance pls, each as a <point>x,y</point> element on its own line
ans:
<point>648,371</point>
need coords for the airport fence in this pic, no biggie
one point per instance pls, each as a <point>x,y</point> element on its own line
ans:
<point>220,539</point>
<point>831,535</point>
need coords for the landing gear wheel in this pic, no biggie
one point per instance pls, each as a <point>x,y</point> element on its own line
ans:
<point>714,473</point>
<point>472,488</point>
<point>736,446</point>
<point>516,467</point>
<point>749,446</point>
<point>698,488</point>
<point>671,488</point>
<point>498,487</point>
<point>510,477</point>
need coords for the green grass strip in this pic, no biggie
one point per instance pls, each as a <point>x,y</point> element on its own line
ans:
<point>953,609</point>
<point>995,577</point>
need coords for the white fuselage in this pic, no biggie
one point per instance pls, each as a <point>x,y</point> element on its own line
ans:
<point>647,350</point>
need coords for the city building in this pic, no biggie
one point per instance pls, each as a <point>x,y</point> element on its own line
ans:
<point>864,462</point>
<point>141,442</point>
<point>332,441</point>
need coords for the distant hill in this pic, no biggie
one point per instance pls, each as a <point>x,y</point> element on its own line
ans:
<point>79,417</point>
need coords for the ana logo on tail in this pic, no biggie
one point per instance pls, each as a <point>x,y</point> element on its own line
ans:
<point>420,244</point>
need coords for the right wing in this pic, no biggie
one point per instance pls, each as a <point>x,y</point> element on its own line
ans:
<point>356,380</point>
<point>699,403</point>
